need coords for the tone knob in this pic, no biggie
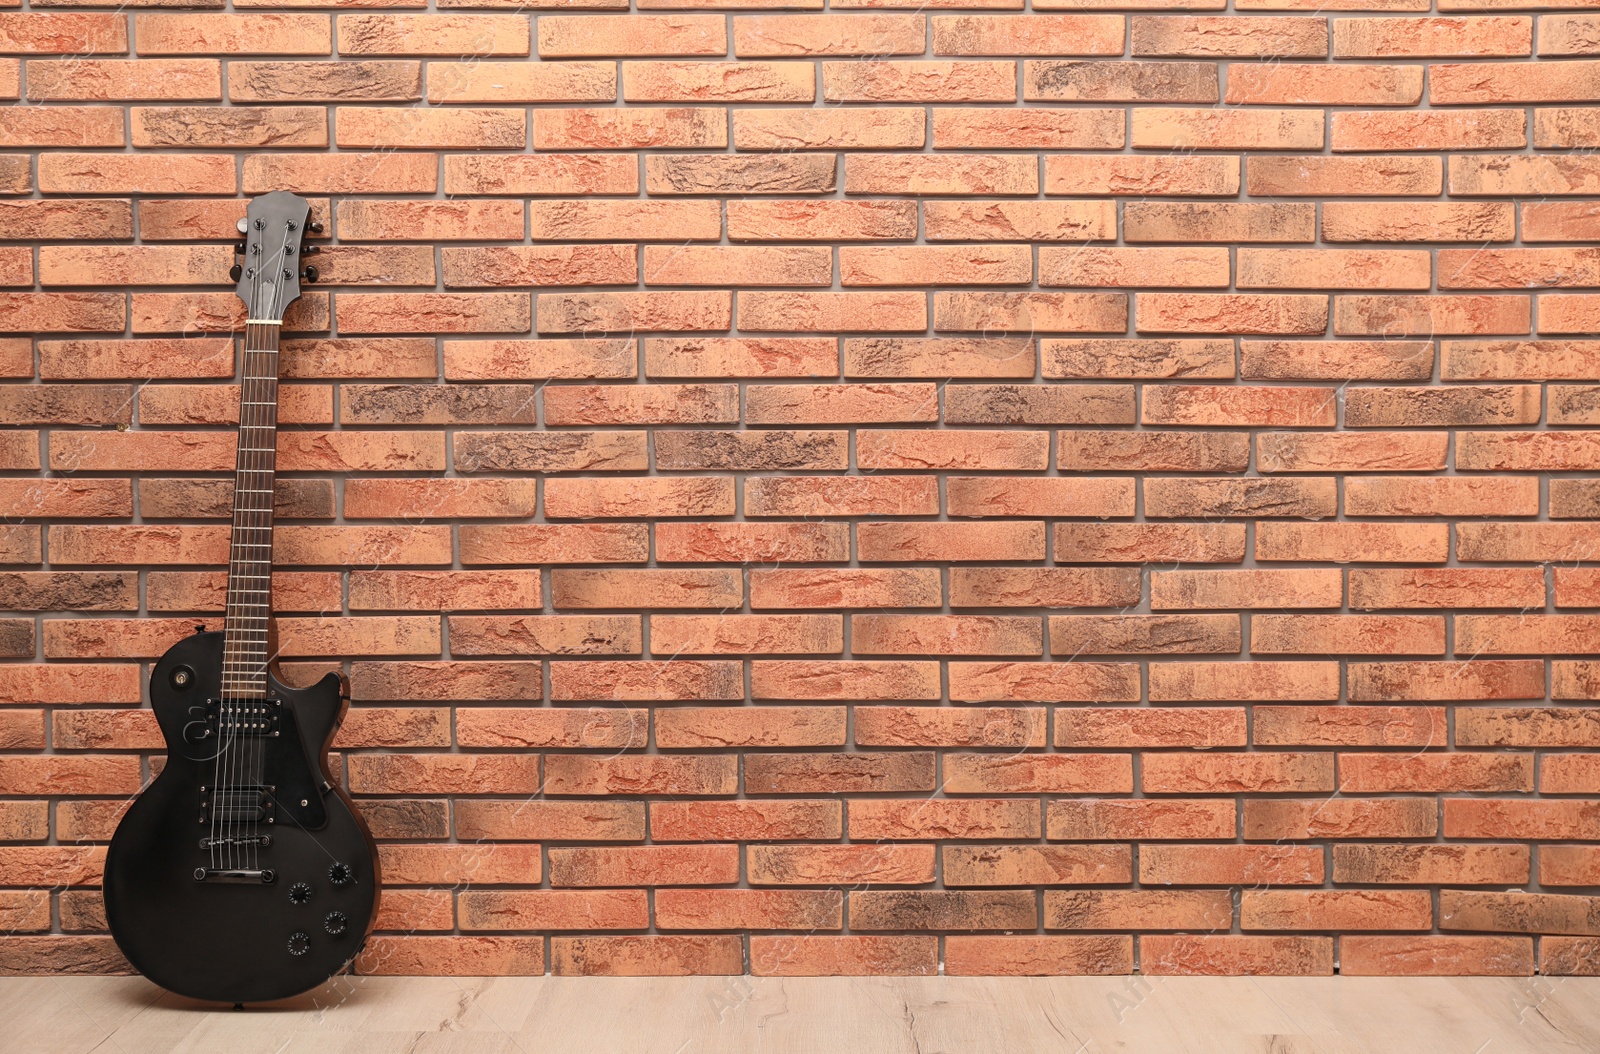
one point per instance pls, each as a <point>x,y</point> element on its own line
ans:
<point>299,893</point>
<point>336,922</point>
<point>299,943</point>
<point>340,874</point>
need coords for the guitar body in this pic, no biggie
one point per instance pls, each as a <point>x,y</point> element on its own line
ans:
<point>270,934</point>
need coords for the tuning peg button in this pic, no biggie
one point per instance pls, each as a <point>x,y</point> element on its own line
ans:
<point>243,225</point>
<point>309,273</point>
<point>235,271</point>
<point>315,226</point>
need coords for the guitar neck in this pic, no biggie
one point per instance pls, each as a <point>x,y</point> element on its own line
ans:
<point>250,555</point>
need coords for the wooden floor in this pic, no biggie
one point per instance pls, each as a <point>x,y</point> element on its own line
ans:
<point>741,1015</point>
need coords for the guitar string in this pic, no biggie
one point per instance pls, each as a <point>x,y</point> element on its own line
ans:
<point>236,562</point>
<point>219,796</point>
<point>269,386</point>
<point>245,677</point>
<point>234,665</point>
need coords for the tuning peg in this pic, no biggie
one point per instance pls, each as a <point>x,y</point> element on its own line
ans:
<point>311,250</point>
<point>309,273</point>
<point>244,226</point>
<point>235,271</point>
<point>315,226</point>
<point>238,250</point>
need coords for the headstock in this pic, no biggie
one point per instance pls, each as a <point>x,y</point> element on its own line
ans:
<point>271,270</point>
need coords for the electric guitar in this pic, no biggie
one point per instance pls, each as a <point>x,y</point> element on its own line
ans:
<point>242,873</point>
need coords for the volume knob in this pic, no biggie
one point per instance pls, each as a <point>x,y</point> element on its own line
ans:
<point>299,893</point>
<point>336,922</point>
<point>340,874</point>
<point>299,943</point>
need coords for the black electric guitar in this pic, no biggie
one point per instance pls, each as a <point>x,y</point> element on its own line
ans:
<point>242,873</point>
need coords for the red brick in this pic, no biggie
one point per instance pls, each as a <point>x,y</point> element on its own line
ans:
<point>793,36</point>
<point>1238,773</point>
<point>1335,909</point>
<point>593,821</point>
<point>845,587</point>
<point>853,129</point>
<point>1281,83</point>
<point>945,635</point>
<point>560,174</point>
<point>1006,865</point>
<point>1199,267</point>
<point>525,728</point>
<point>553,910</point>
<point>817,773</point>
<point>361,34</point>
<point>1291,819</point>
<point>276,34</point>
<point>1423,316</point>
<point>961,910</point>
<point>819,956</point>
<point>1245,681</point>
<point>1092,81</point>
<point>1235,955</point>
<point>756,820</point>
<point>465,956</point>
<point>844,680</point>
<point>1431,864</point>
<point>749,909</point>
<point>1038,956</point>
<point>1312,176</point>
<point>645,956</point>
<point>883,864</point>
<point>1148,819</point>
<point>1349,726</point>
<point>964,819</point>
<point>640,774</point>
<point>1437,956</point>
<point>1244,313</point>
<point>1432,37</point>
<point>1154,175</point>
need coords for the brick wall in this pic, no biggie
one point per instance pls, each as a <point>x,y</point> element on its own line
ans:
<point>840,490</point>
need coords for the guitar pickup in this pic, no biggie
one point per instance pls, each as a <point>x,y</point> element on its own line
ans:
<point>243,717</point>
<point>243,804</point>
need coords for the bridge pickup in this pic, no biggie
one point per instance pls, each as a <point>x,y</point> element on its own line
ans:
<point>259,876</point>
<point>250,803</point>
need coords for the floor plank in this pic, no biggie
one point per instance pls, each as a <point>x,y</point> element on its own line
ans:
<point>869,1015</point>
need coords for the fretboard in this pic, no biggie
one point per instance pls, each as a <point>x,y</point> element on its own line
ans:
<point>244,661</point>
